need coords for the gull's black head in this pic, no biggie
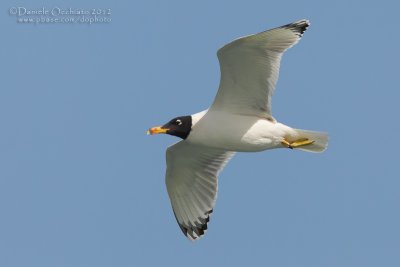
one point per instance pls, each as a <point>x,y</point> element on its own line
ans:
<point>179,126</point>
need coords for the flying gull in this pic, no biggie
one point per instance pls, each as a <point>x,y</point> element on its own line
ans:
<point>239,120</point>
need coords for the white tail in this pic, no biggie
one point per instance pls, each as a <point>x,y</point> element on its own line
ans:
<point>320,141</point>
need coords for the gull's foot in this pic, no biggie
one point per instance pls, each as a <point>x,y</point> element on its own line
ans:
<point>286,144</point>
<point>297,143</point>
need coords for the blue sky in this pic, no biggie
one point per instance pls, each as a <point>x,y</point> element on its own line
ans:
<point>82,185</point>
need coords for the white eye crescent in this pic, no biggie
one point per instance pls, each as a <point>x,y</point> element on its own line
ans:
<point>179,122</point>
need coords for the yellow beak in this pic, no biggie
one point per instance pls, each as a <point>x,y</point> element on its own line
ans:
<point>157,130</point>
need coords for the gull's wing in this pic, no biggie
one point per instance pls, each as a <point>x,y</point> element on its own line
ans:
<point>191,179</point>
<point>250,68</point>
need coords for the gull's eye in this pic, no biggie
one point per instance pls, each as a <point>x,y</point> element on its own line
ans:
<point>178,122</point>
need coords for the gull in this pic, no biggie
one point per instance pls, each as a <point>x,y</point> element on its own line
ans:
<point>239,120</point>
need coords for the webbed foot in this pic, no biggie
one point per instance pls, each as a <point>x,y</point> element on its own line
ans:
<point>298,143</point>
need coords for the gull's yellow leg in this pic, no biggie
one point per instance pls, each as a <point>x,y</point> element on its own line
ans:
<point>301,142</point>
<point>286,144</point>
<point>297,143</point>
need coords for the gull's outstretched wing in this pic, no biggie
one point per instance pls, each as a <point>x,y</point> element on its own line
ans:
<point>191,179</point>
<point>250,68</point>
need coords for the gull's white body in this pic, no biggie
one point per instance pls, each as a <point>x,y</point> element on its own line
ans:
<point>239,120</point>
<point>240,133</point>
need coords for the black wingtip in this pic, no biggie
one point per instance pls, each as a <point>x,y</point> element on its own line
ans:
<point>193,232</point>
<point>298,27</point>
